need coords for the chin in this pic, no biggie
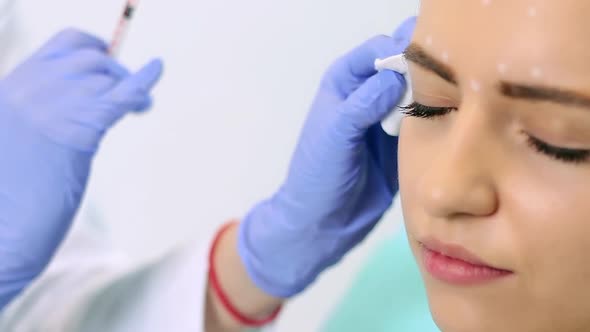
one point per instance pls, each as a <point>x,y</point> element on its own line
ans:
<point>470,309</point>
<point>457,311</point>
<point>453,314</point>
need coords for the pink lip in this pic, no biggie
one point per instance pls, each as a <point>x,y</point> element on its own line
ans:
<point>456,265</point>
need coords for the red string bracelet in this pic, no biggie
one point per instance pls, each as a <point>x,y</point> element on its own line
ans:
<point>222,296</point>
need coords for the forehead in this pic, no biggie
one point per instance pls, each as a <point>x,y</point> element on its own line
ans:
<point>482,37</point>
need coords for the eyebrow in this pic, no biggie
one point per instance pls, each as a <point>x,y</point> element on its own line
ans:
<point>416,54</point>
<point>419,56</point>
<point>547,94</point>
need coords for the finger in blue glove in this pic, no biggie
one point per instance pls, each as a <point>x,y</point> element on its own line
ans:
<point>55,109</point>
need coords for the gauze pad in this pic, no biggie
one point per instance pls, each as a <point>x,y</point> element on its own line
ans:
<point>391,124</point>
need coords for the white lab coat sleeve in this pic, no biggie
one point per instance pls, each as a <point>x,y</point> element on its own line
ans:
<point>90,287</point>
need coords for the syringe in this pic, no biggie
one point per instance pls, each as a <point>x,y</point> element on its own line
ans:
<point>122,27</point>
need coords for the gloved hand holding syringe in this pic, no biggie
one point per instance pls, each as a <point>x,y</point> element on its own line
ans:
<point>55,109</point>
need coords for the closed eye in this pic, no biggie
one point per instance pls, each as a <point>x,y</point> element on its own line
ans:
<point>566,155</point>
<point>422,111</point>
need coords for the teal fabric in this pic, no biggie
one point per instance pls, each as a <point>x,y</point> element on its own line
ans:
<point>388,295</point>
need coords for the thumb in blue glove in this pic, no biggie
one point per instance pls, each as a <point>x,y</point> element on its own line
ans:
<point>55,109</point>
<point>341,180</point>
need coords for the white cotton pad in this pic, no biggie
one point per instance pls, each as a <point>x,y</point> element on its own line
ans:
<point>391,124</point>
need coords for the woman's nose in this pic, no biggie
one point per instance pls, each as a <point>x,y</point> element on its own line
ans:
<point>460,178</point>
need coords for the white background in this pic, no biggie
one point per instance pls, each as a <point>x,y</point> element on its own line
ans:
<point>239,78</point>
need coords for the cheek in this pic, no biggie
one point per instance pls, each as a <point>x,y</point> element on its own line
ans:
<point>550,230</point>
<point>550,220</point>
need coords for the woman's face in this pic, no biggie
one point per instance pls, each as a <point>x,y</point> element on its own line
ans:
<point>495,170</point>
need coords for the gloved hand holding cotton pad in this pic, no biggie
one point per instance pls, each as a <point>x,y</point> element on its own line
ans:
<point>391,124</point>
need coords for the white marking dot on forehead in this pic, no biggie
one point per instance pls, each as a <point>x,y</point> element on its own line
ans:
<point>486,2</point>
<point>429,41</point>
<point>445,56</point>
<point>502,68</point>
<point>536,72</point>
<point>475,85</point>
<point>532,11</point>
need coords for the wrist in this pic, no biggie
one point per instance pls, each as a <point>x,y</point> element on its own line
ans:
<point>238,302</point>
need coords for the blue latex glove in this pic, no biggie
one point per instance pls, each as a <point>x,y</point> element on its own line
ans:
<point>55,109</point>
<point>342,178</point>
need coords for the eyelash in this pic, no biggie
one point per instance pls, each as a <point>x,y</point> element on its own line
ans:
<point>562,154</point>
<point>425,112</point>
